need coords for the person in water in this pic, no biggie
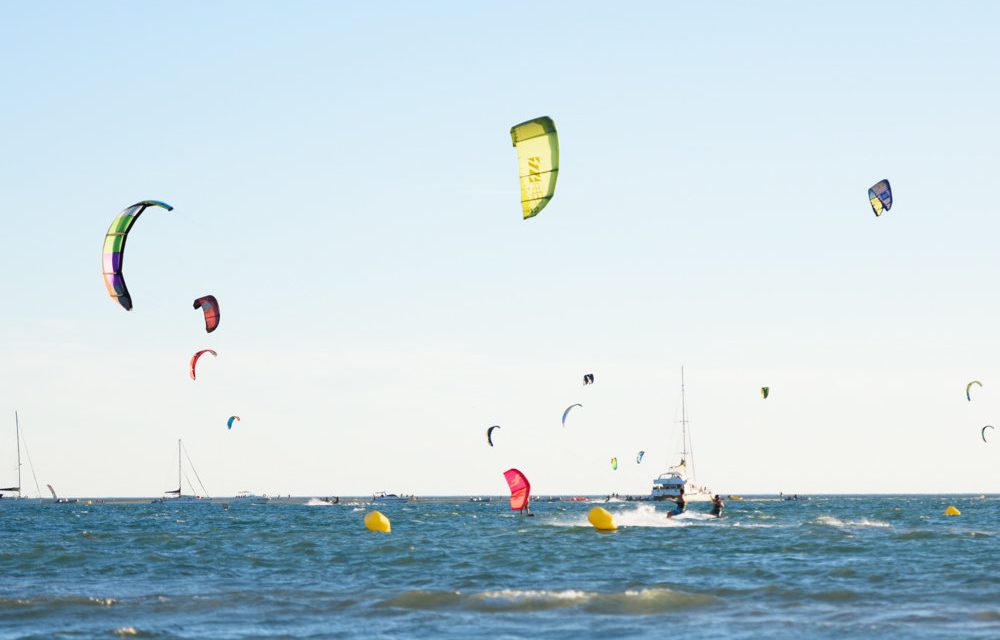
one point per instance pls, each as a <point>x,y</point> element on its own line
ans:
<point>717,506</point>
<point>681,505</point>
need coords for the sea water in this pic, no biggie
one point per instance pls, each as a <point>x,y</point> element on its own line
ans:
<point>830,567</point>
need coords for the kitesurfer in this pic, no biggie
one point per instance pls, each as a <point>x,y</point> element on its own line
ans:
<point>681,505</point>
<point>717,506</point>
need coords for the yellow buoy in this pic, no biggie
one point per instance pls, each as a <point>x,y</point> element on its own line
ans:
<point>375,521</point>
<point>952,511</point>
<point>601,519</point>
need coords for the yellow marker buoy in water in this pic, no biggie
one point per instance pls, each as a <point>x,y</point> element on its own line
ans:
<point>375,521</point>
<point>952,511</point>
<point>601,519</point>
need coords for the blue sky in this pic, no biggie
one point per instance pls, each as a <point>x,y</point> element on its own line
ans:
<point>344,184</point>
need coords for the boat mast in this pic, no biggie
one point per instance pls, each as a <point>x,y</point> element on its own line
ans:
<point>685,453</point>
<point>684,422</point>
<point>17,430</point>
<point>179,486</point>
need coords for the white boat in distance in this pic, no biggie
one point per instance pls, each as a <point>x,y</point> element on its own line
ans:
<point>382,496</point>
<point>56,499</point>
<point>668,485</point>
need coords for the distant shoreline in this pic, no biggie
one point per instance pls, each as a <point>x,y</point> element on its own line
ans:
<point>364,500</point>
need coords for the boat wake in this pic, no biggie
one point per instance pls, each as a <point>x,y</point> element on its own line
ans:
<point>643,515</point>
<point>630,602</point>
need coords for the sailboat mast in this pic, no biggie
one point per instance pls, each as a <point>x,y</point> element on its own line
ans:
<point>684,423</point>
<point>17,431</point>
<point>684,440</point>
<point>687,452</point>
<point>179,487</point>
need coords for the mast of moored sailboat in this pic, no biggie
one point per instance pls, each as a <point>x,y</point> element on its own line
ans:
<point>17,431</point>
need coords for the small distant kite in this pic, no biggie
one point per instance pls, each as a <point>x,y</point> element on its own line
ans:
<point>880,197</point>
<point>210,306</point>
<point>588,378</point>
<point>764,392</point>
<point>232,419</point>
<point>197,356</point>
<point>983,432</point>
<point>968,389</point>
<point>566,412</point>
<point>614,464</point>
<point>638,457</point>
<point>537,147</point>
<point>489,434</point>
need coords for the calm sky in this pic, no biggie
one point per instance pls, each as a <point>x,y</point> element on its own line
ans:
<point>344,183</point>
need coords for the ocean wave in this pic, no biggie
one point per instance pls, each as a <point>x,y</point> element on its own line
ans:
<point>316,502</point>
<point>629,602</point>
<point>843,524</point>
<point>132,632</point>
<point>11,603</point>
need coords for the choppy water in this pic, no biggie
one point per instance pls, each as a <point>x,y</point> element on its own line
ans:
<point>833,567</point>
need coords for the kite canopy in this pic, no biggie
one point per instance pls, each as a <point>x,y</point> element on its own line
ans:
<point>566,412</point>
<point>520,489</point>
<point>537,147</point>
<point>983,432</point>
<point>197,356</point>
<point>229,423</point>
<point>764,392</point>
<point>638,457</point>
<point>614,463</point>
<point>114,250</point>
<point>588,378</point>
<point>210,306</point>
<point>968,388</point>
<point>489,434</point>
<point>880,196</point>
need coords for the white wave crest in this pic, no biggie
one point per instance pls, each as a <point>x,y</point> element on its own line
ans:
<point>844,524</point>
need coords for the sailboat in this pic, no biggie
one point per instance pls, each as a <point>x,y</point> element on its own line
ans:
<point>17,489</point>
<point>671,482</point>
<point>176,493</point>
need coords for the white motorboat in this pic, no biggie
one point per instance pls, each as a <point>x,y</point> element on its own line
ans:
<point>382,496</point>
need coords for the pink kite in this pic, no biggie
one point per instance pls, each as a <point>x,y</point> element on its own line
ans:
<point>520,489</point>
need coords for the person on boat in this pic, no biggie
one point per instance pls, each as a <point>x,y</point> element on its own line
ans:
<point>681,505</point>
<point>717,506</point>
